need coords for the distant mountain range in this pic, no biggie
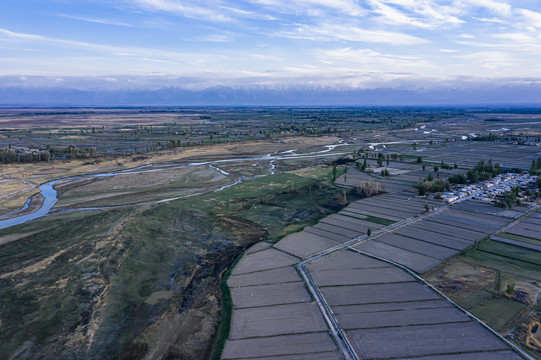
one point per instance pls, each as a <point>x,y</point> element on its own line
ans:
<point>513,95</point>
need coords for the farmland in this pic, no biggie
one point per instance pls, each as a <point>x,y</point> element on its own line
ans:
<point>176,211</point>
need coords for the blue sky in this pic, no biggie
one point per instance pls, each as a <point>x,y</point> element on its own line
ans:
<point>276,43</point>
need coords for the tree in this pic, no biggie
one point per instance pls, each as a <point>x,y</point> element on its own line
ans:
<point>419,159</point>
<point>510,289</point>
<point>498,282</point>
<point>380,159</point>
<point>369,232</point>
<point>426,207</point>
<point>424,167</point>
<point>333,173</point>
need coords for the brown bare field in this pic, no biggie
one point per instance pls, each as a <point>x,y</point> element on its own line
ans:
<point>303,244</point>
<point>273,294</point>
<point>277,320</point>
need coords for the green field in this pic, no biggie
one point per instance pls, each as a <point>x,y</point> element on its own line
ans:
<point>124,278</point>
<point>498,311</point>
<point>525,239</point>
<point>518,265</point>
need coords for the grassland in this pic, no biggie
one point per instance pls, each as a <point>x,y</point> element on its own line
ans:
<point>38,173</point>
<point>128,282</point>
<point>472,281</point>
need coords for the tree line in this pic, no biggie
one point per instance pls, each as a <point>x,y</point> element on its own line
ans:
<point>11,156</point>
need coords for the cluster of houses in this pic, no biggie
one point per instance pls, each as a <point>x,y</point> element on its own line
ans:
<point>490,189</point>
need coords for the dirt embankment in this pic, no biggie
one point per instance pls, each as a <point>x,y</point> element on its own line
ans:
<point>35,203</point>
<point>189,333</point>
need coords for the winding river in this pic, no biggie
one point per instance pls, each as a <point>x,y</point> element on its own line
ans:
<point>49,193</point>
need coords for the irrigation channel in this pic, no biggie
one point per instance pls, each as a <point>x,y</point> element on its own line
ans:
<point>49,193</point>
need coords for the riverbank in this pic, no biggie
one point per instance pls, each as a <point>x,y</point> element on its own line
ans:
<point>121,282</point>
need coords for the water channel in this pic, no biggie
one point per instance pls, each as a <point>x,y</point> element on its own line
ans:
<point>49,193</point>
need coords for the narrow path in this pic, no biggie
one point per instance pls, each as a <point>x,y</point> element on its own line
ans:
<point>337,283</point>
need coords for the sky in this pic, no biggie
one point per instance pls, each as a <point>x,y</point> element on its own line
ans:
<point>342,44</point>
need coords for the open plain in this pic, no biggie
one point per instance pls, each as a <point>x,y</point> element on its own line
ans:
<point>210,233</point>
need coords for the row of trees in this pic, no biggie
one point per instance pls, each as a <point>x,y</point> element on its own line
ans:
<point>432,185</point>
<point>370,188</point>
<point>509,198</point>
<point>9,156</point>
<point>481,171</point>
<point>71,152</point>
<point>535,169</point>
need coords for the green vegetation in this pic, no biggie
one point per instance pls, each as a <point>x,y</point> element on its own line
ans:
<point>132,275</point>
<point>522,238</point>
<point>480,275</point>
<point>498,282</point>
<point>509,198</point>
<point>224,328</point>
<point>8,156</point>
<point>498,311</point>
<point>378,220</point>
<point>280,203</point>
<point>429,184</point>
<point>473,299</point>
<point>510,288</point>
<point>72,133</point>
<point>507,253</point>
<point>480,172</point>
<point>535,169</point>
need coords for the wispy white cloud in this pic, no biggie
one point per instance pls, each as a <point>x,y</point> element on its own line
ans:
<point>267,57</point>
<point>531,18</point>
<point>522,44</point>
<point>211,10</point>
<point>16,35</point>
<point>344,32</point>
<point>273,41</point>
<point>218,38</point>
<point>491,20</point>
<point>422,14</point>
<point>311,7</point>
<point>106,50</point>
<point>248,14</point>
<point>184,8</point>
<point>491,60</point>
<point>496,7</point>
<point>368,60</point>
<point>97,21</point>
<point>519,37</point>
